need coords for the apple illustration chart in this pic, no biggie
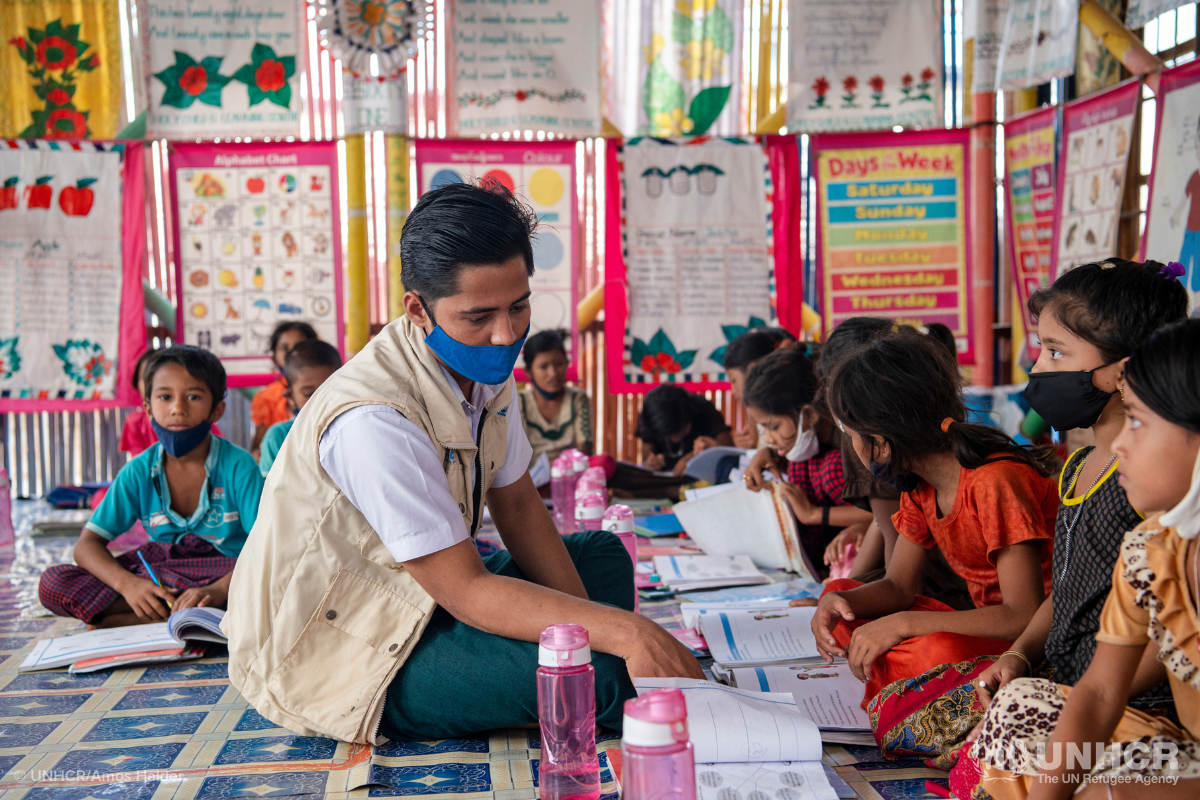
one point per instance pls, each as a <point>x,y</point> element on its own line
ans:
<point>60,271</point>
<point>257,247</point>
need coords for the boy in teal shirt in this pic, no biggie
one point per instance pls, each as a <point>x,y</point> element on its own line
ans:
<point>196,495</point>
<point>306,367</point>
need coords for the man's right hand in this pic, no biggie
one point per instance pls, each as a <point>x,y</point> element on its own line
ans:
<point>765,460</point>
<point>658,654</point>
<point>150,602</point>
<point>832,609</point>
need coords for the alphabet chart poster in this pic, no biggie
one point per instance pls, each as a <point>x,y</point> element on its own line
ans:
<point>542,174</point>
<point>258,242</point>
<point>1091,175</point>
<point>892,235</point>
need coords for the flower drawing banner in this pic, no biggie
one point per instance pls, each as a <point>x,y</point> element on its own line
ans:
<point>72,253</point>
<point>865,64</point>
<point>216,67</point>
<point>892,235</point>
<point>60,66</point>
<point>1039,42</point>
<point>1029,179</point>
<point>542,174</point>
<point>1173,211</point>
<point>524,65</point>
<point>674,67</point>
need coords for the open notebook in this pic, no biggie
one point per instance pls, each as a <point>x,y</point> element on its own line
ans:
<point>742,522</point>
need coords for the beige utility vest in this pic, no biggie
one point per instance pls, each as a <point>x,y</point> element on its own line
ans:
<point>321,617</point>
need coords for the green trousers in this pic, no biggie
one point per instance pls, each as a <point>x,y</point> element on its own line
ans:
<point>461,681</point>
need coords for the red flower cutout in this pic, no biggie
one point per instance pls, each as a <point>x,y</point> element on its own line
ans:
<point>906,81</point>
<point>927,74</point>
<point>194,80</point>
<point>55,52</point>
<point>65,123</point>
<point>876,83</point>
<point>58,97</point>
<point>269,76</point>
<point>820,86</point>
<point>648,364</point>
<point>667,362</point>
<point>850,83</point>
<point>94,61</point>
<point>18,42</point>
<point>520,95</point>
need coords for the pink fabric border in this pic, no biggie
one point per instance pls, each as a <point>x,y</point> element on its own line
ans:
<point>783,153</point>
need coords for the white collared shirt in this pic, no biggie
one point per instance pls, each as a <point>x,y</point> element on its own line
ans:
<point>392,472</point>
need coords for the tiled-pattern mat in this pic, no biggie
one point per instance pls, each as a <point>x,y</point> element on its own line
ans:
<point>181,732</point>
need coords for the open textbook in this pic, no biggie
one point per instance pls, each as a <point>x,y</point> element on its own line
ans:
<point>681,573</point>
<point>828,694</point>
<point>756,638</point>
<point>161,641</point>
<point>786,780</point>
<point>742,522</point>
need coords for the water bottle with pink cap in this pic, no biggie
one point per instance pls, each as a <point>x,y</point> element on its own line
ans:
<point>562,493</point>
<point>566,689</point>
<point>589,510</point>
<point>657,762</point>
<point>591,479</point>
<point>618,519</point>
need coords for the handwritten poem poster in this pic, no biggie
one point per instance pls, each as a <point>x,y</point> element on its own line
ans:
<point>1039,42</point>
<point>697,256</point>
<point>1029,179</point>
<point>864,64</point>
<point>1173,211</point>
<point>892,238</point>
<point>258,239</point>
<point>1097,131</point>
<point>525,65</point>
<point>219,67</point>
<point>60,271</point>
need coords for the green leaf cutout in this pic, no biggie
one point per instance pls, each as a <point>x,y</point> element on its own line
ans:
<point>661,93</point>
<point>706,107</point>
<point>718,28</point>
<point>682,28</point>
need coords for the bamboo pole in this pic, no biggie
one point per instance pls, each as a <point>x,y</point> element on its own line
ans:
<point>397,204</point>
<point>1121,42</point>
<point>358,327</point>
<point>983,235</point>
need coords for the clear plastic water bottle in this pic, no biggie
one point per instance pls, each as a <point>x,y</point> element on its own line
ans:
<point>562,493</point>
<point>657,762</point>
<point>589,511</point>
<point>618,520</point>
<point>7,536</point>
<point>566,688</point>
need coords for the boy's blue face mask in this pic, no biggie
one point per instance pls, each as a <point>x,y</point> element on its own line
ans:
<point>180,443</point>
<point>487,364</point>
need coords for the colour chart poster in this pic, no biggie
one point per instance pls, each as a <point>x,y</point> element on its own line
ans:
<point>1173,213</point>
<point>222,67</point>
<point>1029,178</point>
<point>543,175</point>
<point>697,268</point>
<point>63,284</point>
<point>258,240</point>
<point>1091,175</point>
<point>892,235</point>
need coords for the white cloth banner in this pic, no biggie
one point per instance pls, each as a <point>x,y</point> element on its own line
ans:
<point>983,24</point>
<point>515,65</point>
<point>219,67</point>
<point>60,272</point>
<point>373,104</point>
<point>864,64</point>
<point>1039,43</point>
<point>1140,12</point>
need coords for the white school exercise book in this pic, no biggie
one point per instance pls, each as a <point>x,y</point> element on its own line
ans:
<point>786,780</point>
<point>691,611</point>
<point>828,693</point>
<point>703,466</point>
<point>758,638</point>
<point>51,653</point>
<point>731,725</point>
<point>707,571</point>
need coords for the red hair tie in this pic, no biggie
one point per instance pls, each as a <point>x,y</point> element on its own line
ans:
<point>946,423</point>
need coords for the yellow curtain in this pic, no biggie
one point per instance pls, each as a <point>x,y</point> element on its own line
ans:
<point>60,68</point>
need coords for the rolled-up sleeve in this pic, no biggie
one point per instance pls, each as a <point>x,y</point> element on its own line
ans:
<point>390,470</point>
<point>518,451</point>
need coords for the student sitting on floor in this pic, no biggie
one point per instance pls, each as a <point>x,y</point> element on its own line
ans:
<point>306,367</point>
<point>556,416</point>
<point>740,355</point>
<point>988,503</point>
<point>137,433</point>
<point>270,405</point>
<point>781,396</point>
<point>675,425</point>
<point>195,494</point>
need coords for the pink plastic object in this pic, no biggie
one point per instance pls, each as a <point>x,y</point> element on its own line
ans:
<point>566,688</point>
<point>591,480</point>
<point>562,493</point>
<point>7,536</point>
<point>657,762</point>
<point>618,519</point>
<point>842,568</point>
<point>589,511</point>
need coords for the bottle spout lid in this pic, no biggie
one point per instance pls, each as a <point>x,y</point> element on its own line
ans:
<point>656,718</point>
<point>565,645</point>
<point>618,519</point>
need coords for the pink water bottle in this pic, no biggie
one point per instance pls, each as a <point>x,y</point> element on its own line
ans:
<point>562,493</point>
<point>618,519</point>
<point>589,511</point>
<point>7,536</point>
<point>592,480</point>
<point>566,688</point>
<point>656,756</point>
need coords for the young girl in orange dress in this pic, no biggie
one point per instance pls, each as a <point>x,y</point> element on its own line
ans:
<point>270,405</point>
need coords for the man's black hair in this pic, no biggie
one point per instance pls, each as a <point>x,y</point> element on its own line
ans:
<point>304,328</point>
<point>547,341</point>
<point>199,363</point>
<point>313,353</point>
<point>461,225</point>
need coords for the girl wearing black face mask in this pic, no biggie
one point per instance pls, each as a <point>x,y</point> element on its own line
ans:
<point>985,502</point>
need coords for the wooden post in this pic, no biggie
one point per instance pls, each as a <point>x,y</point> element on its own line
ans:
<point>983,233</point>
<point>358,319</point>
<point>397,209</point>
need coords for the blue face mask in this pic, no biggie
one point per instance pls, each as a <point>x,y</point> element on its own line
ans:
<point>488,364</point>
<point>180,443</point>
